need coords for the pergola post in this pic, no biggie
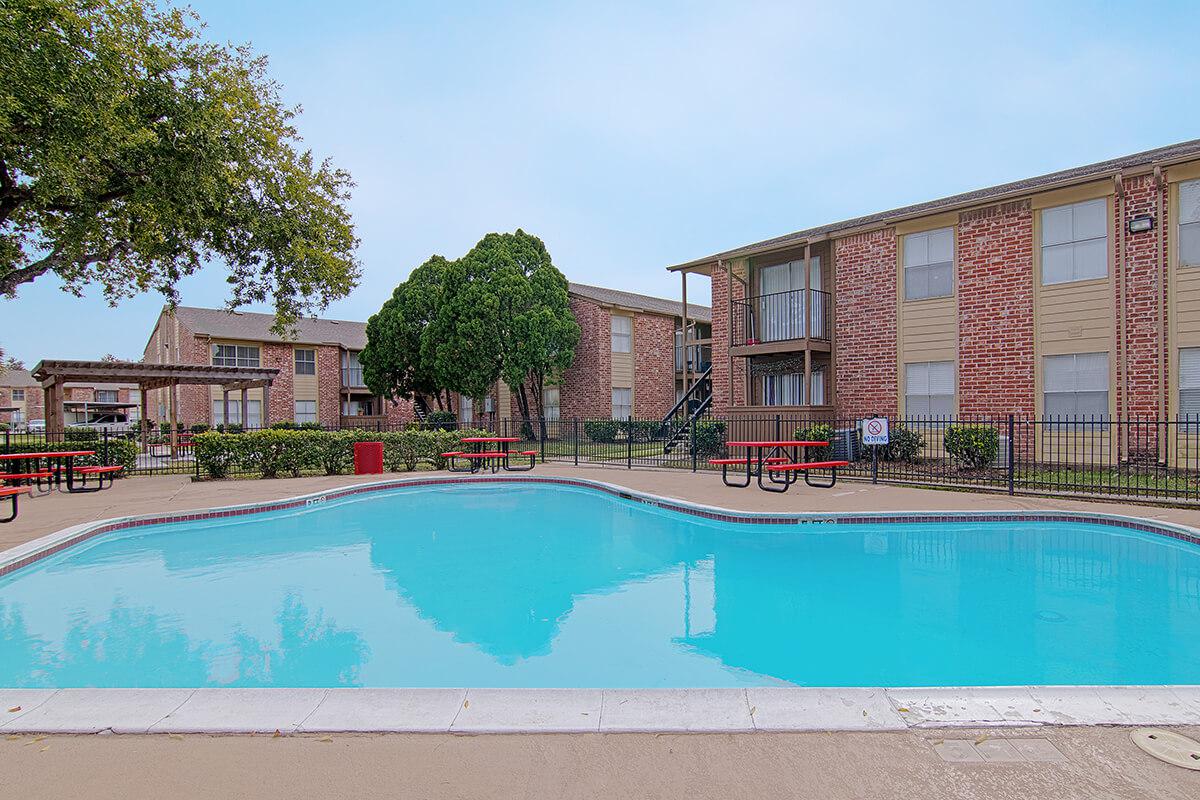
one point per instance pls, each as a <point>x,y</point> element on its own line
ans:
<point>53,398</point>
<point>144,422</point>
<point>245,409</point>
<point>265,416</point>
<point>225,406</point>
<point>173,402</point>
<point>683,340</point>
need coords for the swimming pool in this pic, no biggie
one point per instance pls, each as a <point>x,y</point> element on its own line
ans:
<point>524,584</point>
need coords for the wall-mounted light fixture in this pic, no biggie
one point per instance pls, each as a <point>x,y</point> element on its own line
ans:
<point>1141,223</point>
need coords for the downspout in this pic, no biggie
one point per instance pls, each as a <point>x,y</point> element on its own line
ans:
<point>1123,354</point>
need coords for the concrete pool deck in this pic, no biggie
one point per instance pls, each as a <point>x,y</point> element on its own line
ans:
<point>899,715</point>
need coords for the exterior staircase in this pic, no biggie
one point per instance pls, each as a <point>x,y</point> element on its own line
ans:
<point>677,425</point>
<point>420,409</point>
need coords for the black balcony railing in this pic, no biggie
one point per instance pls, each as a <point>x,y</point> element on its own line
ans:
<point>781,317</point>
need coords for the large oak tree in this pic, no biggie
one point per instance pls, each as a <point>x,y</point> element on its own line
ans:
<point>132,152</point>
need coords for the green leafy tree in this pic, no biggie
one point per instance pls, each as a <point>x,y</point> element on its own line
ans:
<point>394,365</point>
<point>501,312</point>
<point>132,151</point>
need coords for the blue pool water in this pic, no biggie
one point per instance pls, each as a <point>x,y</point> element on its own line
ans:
<point>527,585</point>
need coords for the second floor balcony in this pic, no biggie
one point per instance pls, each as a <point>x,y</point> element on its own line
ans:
<point>781,321</point>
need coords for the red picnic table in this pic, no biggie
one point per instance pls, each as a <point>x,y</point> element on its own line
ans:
<point>479,458</point>
<point>26,467</point>
<point>781,467</point>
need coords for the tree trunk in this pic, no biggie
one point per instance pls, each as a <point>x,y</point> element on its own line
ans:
<point>523,408</point>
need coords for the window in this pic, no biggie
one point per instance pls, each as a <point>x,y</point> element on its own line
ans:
<point>230,355</point>
<point>783,389</point>
<point>929,388</point>
<point>105,396</point>
<point>306,362</point>
<point>1075,242</point>
<point>306,411</point>
<point>816,390</point>
<point>18,417</point>
<point>622,334</point>
<point>929,264</point>
<point>1189,224</point>
<point>466,410</point>
<point>550,402</point>
<point>1189,381</point>
<point>1076,385</point>
<point>253,412</point>
<point>622,403</point>
<point>18,395</point>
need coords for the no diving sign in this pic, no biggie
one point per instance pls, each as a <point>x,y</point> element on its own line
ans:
<point>875,430</point>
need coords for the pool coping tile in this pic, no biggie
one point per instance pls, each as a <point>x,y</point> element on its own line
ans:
<point>529,711</point>
<point>242,711</point>
<point>819,709</point>
<point>95,710</point>
<point>676,711</point>
<point>24,700</point>
<point>345,710</point>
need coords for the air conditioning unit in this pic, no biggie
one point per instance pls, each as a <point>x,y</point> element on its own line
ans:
<point>846,444</point>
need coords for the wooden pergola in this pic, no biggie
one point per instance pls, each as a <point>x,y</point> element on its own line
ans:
<point>54,375</point>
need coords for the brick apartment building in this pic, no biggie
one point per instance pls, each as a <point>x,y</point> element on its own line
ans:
<point>1072,293</point>
<point>22,400</point>
<point>630,360</point>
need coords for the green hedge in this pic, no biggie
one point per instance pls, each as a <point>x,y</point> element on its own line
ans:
<point>817,432</point>
<point>976,446</point>
<point>275,452</point>
<point>710,438</point>
<point>602,430</point>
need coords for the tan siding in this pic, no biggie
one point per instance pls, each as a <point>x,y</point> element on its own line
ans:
<point>305,387</point>
<point>1187,307</point>
<point>1076,317</point>
<point>928,330</point>
<point>622,363</point>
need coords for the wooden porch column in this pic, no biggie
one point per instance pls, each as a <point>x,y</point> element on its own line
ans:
<point>245,409</point>
<point>807,377</point>
<point>683,341</point>
<point>265,415</point>
<point>173,403</point>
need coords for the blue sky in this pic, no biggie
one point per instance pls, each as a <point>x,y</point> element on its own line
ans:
<point>630,136</point>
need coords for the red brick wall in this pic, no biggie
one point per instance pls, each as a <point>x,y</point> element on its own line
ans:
<point>586,391</point>
<point>653,365</point>
<point>995,310</point>
<point>865,331</point>
<point>329,384</point>
<point>729,386</point>
<point>1138,356</point>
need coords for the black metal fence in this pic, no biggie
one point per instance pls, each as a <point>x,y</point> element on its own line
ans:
<point>1141,458</point>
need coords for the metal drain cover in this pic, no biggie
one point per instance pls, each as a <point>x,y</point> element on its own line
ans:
<point>1168,746</point>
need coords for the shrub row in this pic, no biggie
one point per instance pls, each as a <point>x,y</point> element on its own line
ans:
<point>274,452</point>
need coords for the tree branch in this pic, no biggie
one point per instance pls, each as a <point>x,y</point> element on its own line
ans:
<point>11,280</point>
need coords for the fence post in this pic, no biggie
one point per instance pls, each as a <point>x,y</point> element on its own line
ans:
<point>629,444</point>
<point>695,422</point>
<point>542,436</point>
<point>1011,450</point>
<point>104,449</point>
<point>576,426</point>
<point>777,429</point>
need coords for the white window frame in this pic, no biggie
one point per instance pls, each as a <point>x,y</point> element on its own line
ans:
<point>100,395</point>
<point>236,355</point>
<point>1070,247</point>
<point>300,417</point>
<point>1189,222</point>
<point>552,403</point>
<point>622,340</point>
<point>309,365</point>
<point>920,399</point>
<point>1066,389</point>
<point>920,268</point>
<point>622,402</point>
<point>18,395</point>
<point>1189,382</point>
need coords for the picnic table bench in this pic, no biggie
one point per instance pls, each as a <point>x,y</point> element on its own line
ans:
<point>780,462</point>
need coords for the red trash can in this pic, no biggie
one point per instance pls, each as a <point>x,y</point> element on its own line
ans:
<point>368,458</point>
